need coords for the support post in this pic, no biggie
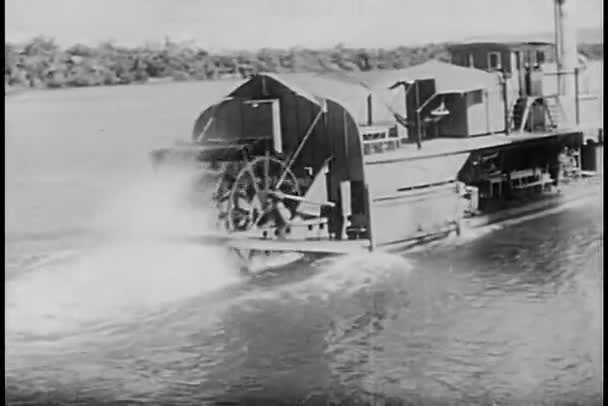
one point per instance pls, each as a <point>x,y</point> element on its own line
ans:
<point>505,99</point>
<point>576,96</point>
<point>199,138</point>
<point>418,135</point>
<point>370,225</point>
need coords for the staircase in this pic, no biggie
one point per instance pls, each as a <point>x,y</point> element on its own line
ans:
<point>554,112</point>
<point>520,112</point>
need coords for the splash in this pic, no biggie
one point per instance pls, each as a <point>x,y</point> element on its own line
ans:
<point>141,264</point>
<point>341,276</point>
<point>358,270</point>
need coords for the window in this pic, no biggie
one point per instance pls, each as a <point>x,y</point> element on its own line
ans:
<point>476,97</point>
<point>540,57</point>
<point>494,62</point>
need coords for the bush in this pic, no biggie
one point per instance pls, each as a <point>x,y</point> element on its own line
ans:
<point>108,64</point>
<point>180,76</point>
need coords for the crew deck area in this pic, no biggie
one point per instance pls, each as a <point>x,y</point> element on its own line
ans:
<point>570,194</point>
<point>451,146</point>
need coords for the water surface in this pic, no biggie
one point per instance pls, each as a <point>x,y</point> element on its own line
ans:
<point>103,306</point>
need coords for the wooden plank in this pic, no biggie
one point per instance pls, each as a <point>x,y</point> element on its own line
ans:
<point>308,222</point>
<point>321,246</point>
<point>533,184</point>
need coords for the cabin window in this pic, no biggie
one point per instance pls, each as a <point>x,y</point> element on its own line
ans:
<point>476,97</point>
<point>540,57</point>
<point>494,62</point>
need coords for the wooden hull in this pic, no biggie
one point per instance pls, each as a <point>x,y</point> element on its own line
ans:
<point>569,197</point>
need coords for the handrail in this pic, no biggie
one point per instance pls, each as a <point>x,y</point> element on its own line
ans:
<point>560,73</point>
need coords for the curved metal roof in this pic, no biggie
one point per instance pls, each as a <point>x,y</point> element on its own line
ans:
<point>448,77</point>
<point>318,88</point>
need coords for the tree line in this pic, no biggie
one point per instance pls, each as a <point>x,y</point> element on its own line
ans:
<point>41,63</point>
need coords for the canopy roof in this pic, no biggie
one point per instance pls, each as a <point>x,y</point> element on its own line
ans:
<point>318,88</point>
<point>511,40</point>
<point>449,78</point>
<point>314,87</point>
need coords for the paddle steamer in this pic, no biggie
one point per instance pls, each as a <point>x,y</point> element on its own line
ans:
<point>341,163</point>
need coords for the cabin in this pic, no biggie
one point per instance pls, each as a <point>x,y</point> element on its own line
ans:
<point>532,77</point>
<point>439,99</point>
<point>498,55</point>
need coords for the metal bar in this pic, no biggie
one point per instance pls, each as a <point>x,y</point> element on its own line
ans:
<point>529,102</point>
<point>531,115</point>
<point>487,106</point>
<point>205,128</point>
<point>299,149</point>
<point>370,227</point>
<point>557,35</point>
<point>405,91</point>
<point>505,98</point>
<point>576,96</point>
<point>287,196</point>
<point>258,101</point>
<point>418,135</point>
<point>559,73</point>
<point>427,102</point>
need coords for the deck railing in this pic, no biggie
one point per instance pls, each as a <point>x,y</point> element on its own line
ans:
<point>378,140</point>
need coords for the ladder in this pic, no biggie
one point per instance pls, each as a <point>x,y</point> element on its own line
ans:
<point>554,112</point>
<point>521,110</point>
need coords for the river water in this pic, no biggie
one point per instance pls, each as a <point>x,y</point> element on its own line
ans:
<point>104,306</point>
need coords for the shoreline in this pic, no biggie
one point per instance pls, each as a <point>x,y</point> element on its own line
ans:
<point>12,91</point>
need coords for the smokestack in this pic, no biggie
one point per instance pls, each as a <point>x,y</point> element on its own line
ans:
<point>566,53</point>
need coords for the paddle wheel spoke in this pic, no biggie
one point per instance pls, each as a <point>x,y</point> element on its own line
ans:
<point>249,199</point>
<point>266,174</point>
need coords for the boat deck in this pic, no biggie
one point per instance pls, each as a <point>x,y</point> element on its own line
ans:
<point>452,146</point>
<point>570,194</point>
<point>578,192</point>
<point>320,246</point>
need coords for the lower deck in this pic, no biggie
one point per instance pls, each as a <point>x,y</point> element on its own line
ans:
<point>580,191</point>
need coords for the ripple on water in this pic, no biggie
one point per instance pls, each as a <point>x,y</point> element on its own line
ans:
<point>472,322</point>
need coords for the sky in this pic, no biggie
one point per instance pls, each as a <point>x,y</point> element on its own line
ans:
<point>250,24</point>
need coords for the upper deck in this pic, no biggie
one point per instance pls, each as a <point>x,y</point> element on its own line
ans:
<point>452,146</point>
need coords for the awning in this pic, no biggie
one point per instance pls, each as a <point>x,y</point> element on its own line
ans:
<point>448,78</point>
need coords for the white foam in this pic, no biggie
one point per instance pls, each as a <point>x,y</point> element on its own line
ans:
<point>343,276</point>
<point>135,269</point>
